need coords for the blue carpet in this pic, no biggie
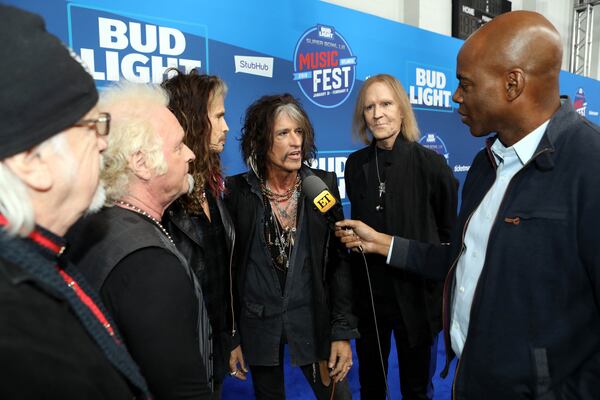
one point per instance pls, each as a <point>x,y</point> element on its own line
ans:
<point>297,389</point>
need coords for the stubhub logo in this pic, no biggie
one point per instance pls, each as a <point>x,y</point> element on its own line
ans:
<point>115,46</point>
<point>260,66</point>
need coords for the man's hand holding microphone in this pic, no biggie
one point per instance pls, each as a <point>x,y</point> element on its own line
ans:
<point>357,235</point>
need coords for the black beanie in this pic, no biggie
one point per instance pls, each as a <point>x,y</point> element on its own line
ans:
<point>43,88</point>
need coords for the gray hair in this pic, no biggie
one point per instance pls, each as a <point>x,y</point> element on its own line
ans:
<point>15,203</point>
<point>131,132</point>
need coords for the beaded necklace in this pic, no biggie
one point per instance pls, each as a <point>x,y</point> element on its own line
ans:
<point>280,197</point>
<point>145,214</point>
<point>280,236</point>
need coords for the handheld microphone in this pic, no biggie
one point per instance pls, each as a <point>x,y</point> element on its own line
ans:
<point>315,189</point>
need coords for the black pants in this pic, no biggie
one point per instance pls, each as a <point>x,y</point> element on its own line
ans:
<point>414,362</point>
<point>269,384</point>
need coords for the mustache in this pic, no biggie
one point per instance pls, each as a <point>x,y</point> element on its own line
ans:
<point>191,183</point>
<point>286,156</point>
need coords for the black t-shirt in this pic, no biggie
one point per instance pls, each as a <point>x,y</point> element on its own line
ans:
<point>152,301</point>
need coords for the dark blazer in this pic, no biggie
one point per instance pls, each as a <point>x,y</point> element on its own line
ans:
<point>332,287</point>
<point>420,203</point>
<point>185,234</point>
<point>534,329</point>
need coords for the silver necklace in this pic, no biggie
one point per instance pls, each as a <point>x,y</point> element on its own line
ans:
<point>284,239</point>
<point>145,214</point>
<point>381,186</point>
<point>285,212</point>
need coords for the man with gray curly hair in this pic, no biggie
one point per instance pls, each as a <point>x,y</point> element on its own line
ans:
<point>56,339</point>
<point>130,258</point>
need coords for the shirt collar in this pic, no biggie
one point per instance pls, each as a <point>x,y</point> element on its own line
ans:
<point>524,148</point>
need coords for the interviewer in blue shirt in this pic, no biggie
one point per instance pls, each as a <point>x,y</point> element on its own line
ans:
<point>522,273</point>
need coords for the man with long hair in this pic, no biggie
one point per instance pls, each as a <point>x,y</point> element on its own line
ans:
<point>399,187</point>
<point>293,285</point>
<point>199,222</point>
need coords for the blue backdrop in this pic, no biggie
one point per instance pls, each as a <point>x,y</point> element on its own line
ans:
<point>317,51</point>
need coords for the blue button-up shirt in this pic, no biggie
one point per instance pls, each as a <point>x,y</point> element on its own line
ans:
<point>509,160</point>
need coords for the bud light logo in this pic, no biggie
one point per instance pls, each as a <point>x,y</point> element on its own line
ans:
<point>334,161</point>
<point>428,88</point>
<point>114,46</point>
<point>579,103</point>
<point>435,143</point>
<point>324,66</point>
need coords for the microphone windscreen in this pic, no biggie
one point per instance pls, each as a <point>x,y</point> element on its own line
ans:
<point>312,186</point>
<point>316,190</point>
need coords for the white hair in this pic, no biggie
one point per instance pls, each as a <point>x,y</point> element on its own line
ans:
<point>131,106</point>
<point>15,203</point>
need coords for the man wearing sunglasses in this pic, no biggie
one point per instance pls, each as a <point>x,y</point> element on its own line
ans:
<point>56,339</point>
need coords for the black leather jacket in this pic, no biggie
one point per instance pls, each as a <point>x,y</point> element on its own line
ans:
<point>182,228</point>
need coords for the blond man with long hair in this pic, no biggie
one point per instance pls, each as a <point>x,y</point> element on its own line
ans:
<point>397,186</point>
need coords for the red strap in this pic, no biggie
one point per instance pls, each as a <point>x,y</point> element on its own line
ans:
<point>87,300</point>
<point>38,238</point>
<point>45,242</point>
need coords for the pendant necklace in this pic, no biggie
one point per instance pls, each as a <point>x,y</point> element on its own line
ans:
<point>381,186</point>
<point>283,228</point>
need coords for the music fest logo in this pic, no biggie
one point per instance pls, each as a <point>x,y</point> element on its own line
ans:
<point>324,66</point>
<point>115,46</point>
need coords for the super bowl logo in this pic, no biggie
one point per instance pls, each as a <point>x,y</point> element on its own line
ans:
<point>428,88</point>
<point>114,46</point>
<point>324,66</point>
<point>435,143</point>
<point>579,103</point>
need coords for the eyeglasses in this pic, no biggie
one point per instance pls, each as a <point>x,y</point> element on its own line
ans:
<point>101,125</point>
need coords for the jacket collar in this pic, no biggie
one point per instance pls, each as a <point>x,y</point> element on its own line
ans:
<point>46,243</point>
<point>557,128</point>
<point>254,182</point>
<point>544,153</point>
<point>399,149</point>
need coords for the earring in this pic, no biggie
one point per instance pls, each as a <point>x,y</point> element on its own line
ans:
<point>251,161</point>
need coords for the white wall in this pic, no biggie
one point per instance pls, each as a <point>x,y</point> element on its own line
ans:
<point>436,16</point>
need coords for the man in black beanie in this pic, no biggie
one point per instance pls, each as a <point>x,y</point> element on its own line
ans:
<point>56,340</point>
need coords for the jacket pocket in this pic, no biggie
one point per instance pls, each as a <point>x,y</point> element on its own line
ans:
<point>516,218</point>
<point>254,310</point>
<point>542,374</point>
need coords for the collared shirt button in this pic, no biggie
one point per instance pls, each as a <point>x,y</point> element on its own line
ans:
<point>462,289</point>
